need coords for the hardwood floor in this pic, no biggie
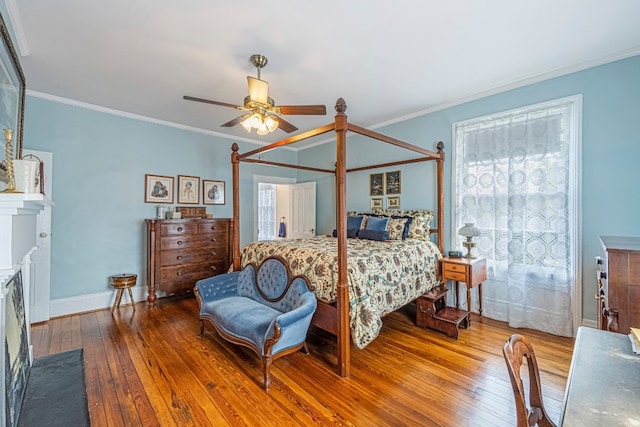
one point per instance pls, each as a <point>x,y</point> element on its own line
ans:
<point>150,368</point>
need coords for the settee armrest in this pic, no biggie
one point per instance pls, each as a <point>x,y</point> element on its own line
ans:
<point>217,287</point>
<point>294,324</point>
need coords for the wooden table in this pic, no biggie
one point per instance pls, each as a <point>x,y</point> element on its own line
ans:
<point>472,271</point>
<point>603,388</point>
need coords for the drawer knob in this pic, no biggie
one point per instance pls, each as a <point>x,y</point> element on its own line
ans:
<point>213,239</point>
<point>213,253</point>
<point>179,228</point>
<point>179,257</point>
<point>213,227</point>
<point>214,268</point>
<point>179,242</point>
<point>179,273</point>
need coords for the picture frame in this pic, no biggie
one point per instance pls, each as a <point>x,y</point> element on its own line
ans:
<point>393,202</point>
<point>392,182</point>
<point>158,189</point>
<point>376,203</point>
<point>376,184</point>
<point>188,190</point>
<point>213,192</point>
<point>12,93</point>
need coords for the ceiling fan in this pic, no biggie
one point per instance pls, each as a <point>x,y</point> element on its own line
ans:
<point>262,113</point>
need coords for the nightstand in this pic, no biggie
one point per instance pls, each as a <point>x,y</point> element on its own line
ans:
<point>472,271</point>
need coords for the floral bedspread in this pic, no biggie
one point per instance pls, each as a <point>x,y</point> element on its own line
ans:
<point>382,276</point>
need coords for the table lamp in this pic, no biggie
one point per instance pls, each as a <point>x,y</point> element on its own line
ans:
<point>469,231</point>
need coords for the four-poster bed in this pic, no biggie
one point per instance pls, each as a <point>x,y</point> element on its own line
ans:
<point>335,317</point>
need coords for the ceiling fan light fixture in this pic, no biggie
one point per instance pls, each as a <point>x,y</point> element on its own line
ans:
<point>246,124</point>
<point>271,123</point>
<point>262,130</point>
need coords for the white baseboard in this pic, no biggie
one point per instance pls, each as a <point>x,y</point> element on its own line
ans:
<point>90,302</point>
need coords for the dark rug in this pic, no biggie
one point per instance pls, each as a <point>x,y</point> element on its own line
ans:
<point>56,394</point>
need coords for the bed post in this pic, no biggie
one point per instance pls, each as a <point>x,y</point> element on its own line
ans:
<point>344,338</point>
<point>440,147</point>
<point>235,163</point>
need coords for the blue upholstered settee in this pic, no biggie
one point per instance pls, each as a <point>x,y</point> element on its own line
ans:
<point>262,308</point>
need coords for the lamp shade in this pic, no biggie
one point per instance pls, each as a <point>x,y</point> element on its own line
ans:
<point>469,230</point>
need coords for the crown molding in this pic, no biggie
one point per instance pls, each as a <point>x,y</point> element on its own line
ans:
<point>18,30</point>
<point>558,72</point>
<point>106,110</point>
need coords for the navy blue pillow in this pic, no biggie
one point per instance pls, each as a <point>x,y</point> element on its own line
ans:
<point>377,223</point>
<point>351,233</point>
<point>379,235</point>
<point>354,222</point>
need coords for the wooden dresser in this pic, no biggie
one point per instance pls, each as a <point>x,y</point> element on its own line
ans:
<point>618,277</point>
<point>183,251</point>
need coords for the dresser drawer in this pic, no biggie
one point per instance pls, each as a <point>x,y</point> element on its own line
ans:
<point>200,255</point>
<point>191,273</point>
<point>219,227</point>
<point>178,228</point>
<point>453,275</point>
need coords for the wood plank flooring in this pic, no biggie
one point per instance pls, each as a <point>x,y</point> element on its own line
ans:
<point>150,368</point>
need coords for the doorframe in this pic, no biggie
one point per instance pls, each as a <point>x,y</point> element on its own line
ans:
<point>269,180</point>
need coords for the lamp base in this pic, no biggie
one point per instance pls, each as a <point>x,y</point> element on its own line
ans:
<point>469,246</point>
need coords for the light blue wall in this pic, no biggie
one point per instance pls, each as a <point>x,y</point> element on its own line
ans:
<point>99,163</point>
<point>610,155</point>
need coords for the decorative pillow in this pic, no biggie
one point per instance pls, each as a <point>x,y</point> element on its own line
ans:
<point>405,231</point>
<point>351,233</point>
<point>377,223</point>
<point>354,222</point>
<point>379,235</point>
<point>396,227</point>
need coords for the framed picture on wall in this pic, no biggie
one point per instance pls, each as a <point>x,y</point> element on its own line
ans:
<point>392,182</point>
<point>188,189</point>
<point>376,184</point>
<point>376,203</point>
<point>158,189</point>
<point>213,192</point>
<point>393,202</point>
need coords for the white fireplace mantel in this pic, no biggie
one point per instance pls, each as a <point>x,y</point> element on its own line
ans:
<point>18,224</point>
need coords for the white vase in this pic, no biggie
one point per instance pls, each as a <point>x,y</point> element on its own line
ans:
<point>24,172</point>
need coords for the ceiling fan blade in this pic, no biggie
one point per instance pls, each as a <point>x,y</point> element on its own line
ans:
<point>208,101</point>
<point>302,110</point>
<point>284,125</point>
<point>235,121</point>
<point>258,90</point>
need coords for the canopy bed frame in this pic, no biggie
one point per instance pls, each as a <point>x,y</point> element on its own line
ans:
<point>335,318</point>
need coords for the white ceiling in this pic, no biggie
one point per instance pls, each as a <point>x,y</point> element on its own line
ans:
<point>388,60</point>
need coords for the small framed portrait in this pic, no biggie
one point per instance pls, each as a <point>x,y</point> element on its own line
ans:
<point>158,189</point>
<point>393,202</point>
<point>392,182</point>
<point>188,190</point>
<point>213,192</point>
<point>376,184</point>
<point>376,203</point>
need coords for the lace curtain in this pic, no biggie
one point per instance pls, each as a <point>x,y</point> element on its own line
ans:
<point>516,176</point>
<point>266,211</point>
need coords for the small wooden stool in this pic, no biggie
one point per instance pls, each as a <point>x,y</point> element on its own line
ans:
<point>122,282</point>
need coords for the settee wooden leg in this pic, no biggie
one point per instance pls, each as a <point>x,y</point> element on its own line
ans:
<point>305,348</point>
<point>266,363</point>
<point>201,327</point>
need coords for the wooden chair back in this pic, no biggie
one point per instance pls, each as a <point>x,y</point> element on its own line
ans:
<point>515,350</point>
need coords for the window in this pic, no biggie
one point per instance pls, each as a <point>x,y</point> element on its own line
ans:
<point>516,176</point>
<point>266,211</point>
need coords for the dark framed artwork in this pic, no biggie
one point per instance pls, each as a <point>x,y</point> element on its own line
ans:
<point>376,184</point>
<point>213,192</point>
<point>188,190</point>
<point>392,182</point>
<point>158,189</point>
